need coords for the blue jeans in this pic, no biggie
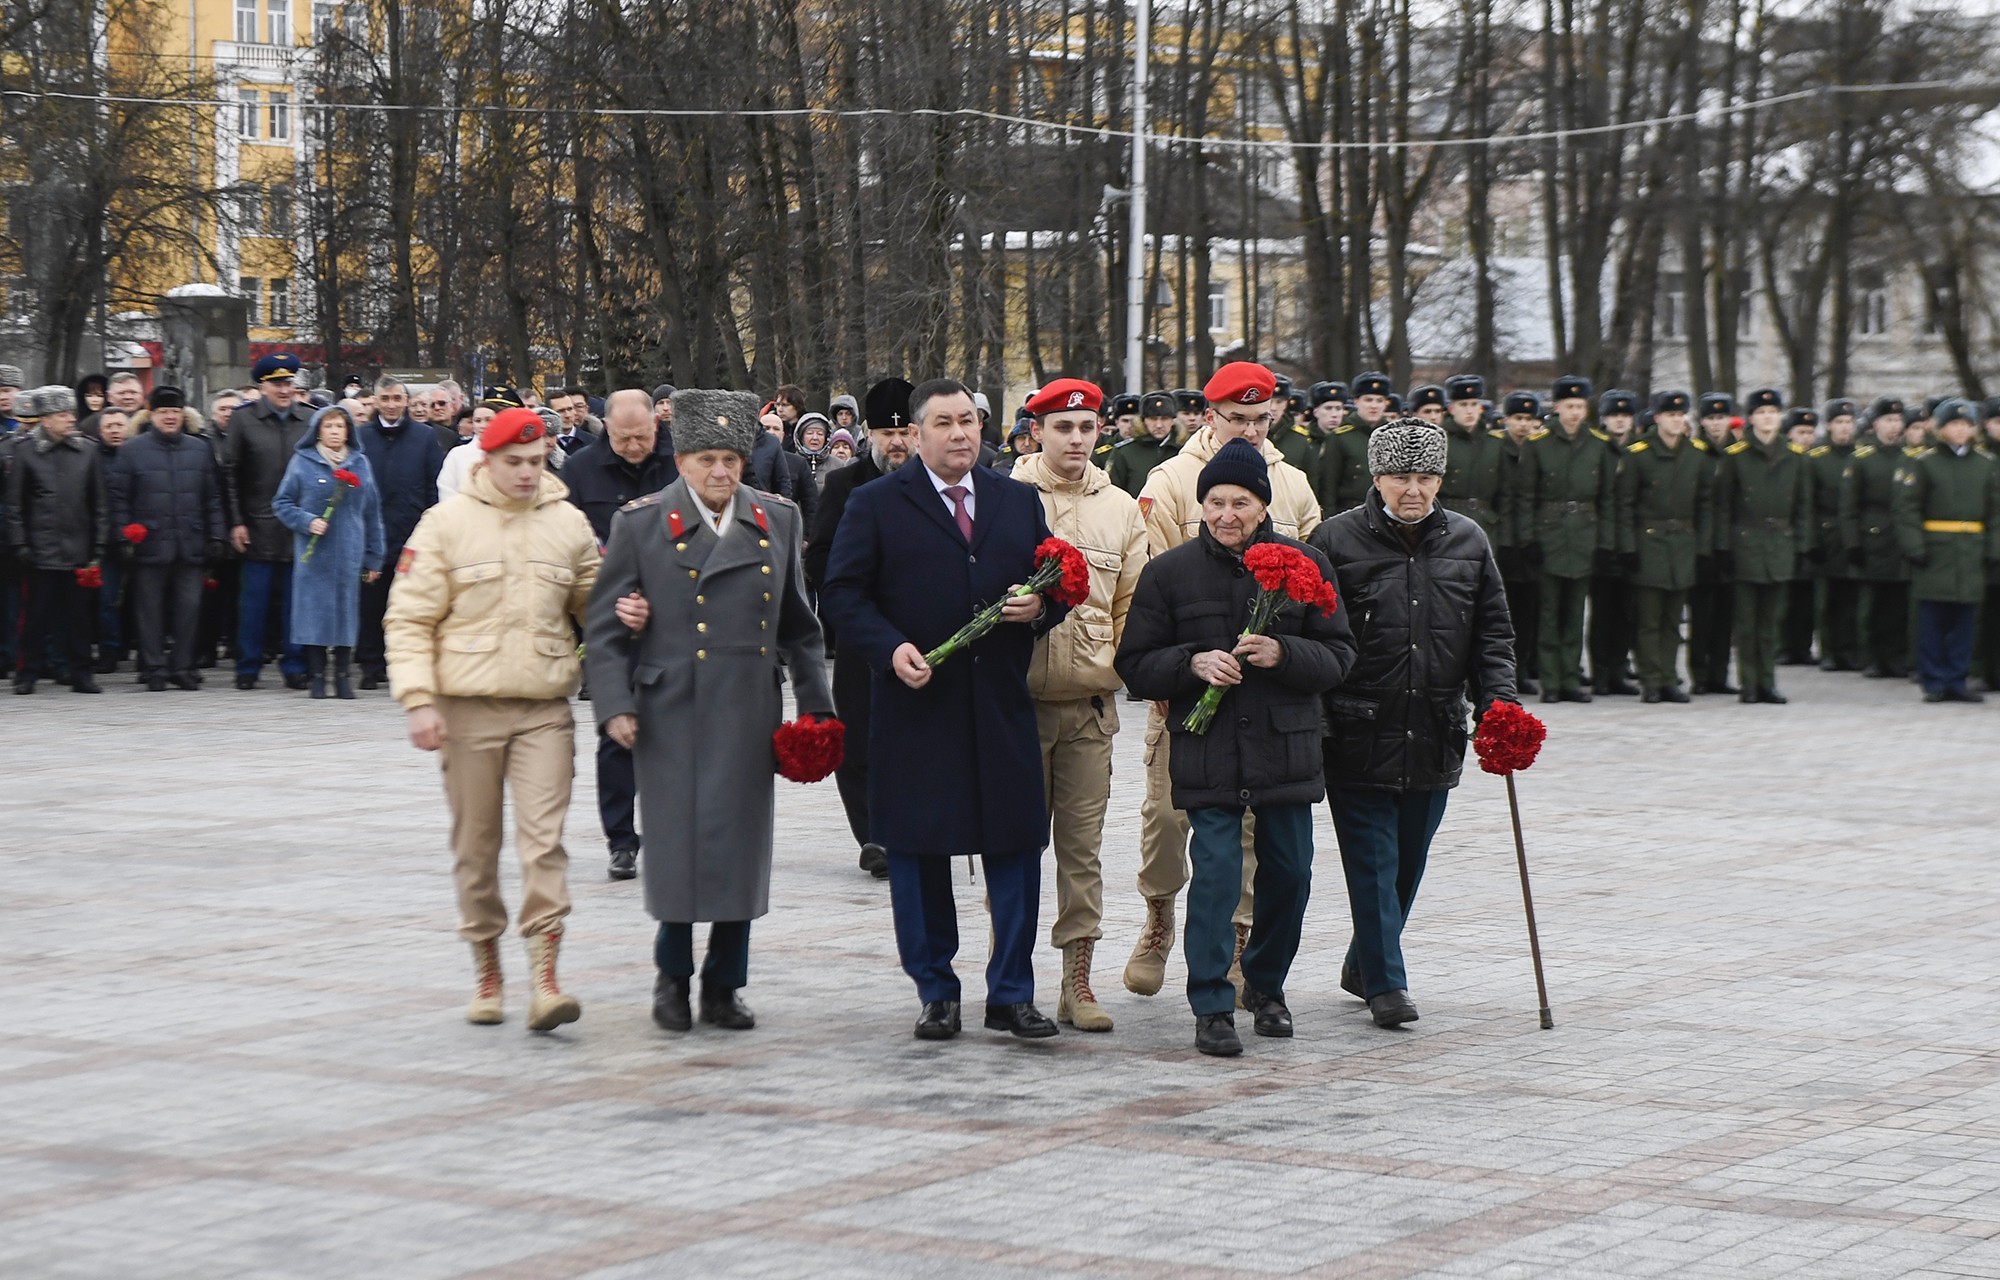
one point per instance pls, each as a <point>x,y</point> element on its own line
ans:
<point>927,923</point>
<point>1385,841</point>
<point>1284,846</point>
<point>266,585</point>
<point>1944,644</point>
<point>727,963</point>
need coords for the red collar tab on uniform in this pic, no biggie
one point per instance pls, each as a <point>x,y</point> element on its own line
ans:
<point>762,523</point>
<point>675,525</point>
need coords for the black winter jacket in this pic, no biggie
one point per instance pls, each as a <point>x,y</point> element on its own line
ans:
<point>832,504</point>
<point>256,447</point>
<point>58,514</point>
<point>405,458</point>
<point>171,485</point>
<point>1264,744</point>
<point>1432,629</point>
<point>600,481</point>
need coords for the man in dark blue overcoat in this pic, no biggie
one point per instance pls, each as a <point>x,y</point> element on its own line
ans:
<point>955,759</point>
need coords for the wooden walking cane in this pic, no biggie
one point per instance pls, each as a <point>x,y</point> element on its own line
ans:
<point>1508,740</point>
<point>1528,901</point>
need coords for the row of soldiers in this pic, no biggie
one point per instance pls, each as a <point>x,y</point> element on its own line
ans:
<point>1872,531</point>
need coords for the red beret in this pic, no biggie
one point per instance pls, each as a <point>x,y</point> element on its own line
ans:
<point>512,426</point>
<point>1066,393</point>
<point>1242,380</point>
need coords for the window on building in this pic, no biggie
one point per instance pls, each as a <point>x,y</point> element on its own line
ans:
<point>278,212</point>
<point>325,19</point>
<point>252,290</point>
<point>1870,313</point>
<point>250,211</point>
<point>278,22</point>
<point>1670,315</point>
<point>246,113</point>
<point>281,302</point>
<point>281,115</point>
<point>425,28</point>
<point>1218,307</point>
<point>246,21</point>
<point>1937,301</point>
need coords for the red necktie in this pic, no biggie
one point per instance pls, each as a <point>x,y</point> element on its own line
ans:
<point>958,493</point>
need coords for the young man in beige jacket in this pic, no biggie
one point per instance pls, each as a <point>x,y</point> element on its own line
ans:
<point>482,657</point>
<point>1242,405</point>
<point>1075,689</point>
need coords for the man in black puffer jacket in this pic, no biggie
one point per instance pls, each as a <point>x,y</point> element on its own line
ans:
<point>1261,752</point>
<point>167,482</point>
<point>1430,619</point>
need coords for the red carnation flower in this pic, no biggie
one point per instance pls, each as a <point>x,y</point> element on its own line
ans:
<point>134,533</point>
<point>1509,738</point>
<point>346,477</point>
<point>210,584</point>
<point>1073,587</point>
<point>808,748</point>
<point>90,577</point>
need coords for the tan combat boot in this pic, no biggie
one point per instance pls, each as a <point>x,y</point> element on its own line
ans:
<point>1236,965</point>
<point>1147,968</point>
<point>548,1007</point>
<point>485,1007</point>
<point>1077,1005</point>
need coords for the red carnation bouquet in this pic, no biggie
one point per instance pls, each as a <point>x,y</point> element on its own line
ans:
<point>809,748</point>
<point>343,480</point>
<point>1285,575</point>
<point>90,577</point>
<point>1061,573</point>
<point>1509,738</point>
<point>134,533</point>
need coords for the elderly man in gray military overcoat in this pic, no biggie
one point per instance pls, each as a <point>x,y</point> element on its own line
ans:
<point>699,596</point>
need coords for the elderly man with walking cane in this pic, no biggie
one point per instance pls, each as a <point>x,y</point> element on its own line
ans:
<point>1429,613</point>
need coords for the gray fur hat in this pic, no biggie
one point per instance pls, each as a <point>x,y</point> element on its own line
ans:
<point>1406,445</point>
<point>10,375</point>
<point>43,401</point>
<point>705,419</point>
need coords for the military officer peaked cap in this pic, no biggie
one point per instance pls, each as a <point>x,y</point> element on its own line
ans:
<point>1614,402</point>
<point>277,365</point>
<point>1670,402</point>
<point>887,406</point>
<point>1369,384</point>
<point>1465,386</point>
<point>1157,404</point>
<point>1570,387</point>
<point>1764,398</point>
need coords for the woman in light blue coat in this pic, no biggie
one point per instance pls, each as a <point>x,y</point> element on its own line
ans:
<point>327,574</point>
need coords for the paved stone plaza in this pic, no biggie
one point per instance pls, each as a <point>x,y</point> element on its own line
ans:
<point>235,1045</point>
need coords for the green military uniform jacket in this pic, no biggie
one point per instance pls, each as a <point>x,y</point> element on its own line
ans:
<point>1134,460</point>
<point>1341,478</point>
<point>1565,500</point>
<point>1867,512</point>
<point>1476,478</point>
<point>1827,465</point>
<point>1101,455</point>
<point>1299,442</point>
<point>1764,510</point>
<point>1666,509</point>
<point>1948,514</point>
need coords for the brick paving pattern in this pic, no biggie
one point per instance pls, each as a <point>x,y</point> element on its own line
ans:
<point>235,1044</point>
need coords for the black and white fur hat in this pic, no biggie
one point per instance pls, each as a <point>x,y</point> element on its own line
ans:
<point>705,419</point>
<point>1406,445</point>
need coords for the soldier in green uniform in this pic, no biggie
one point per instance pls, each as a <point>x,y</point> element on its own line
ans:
<point>1712,603</point>
<point>1666,490</point>
<point>1564,515</point>
<point>1522,412</point>
<point>1476,462</point>
<point>1612,616</point>
<point>1868,535</point>
<point>1328,402</point>
<point>1188,408</point>
<point>1428,402</point>
<point>1948,525</point>
<point>1020,443</point>
<point>1763,522</point>
<point>1342,479</point>
<point>1123,411</point>
<point>1106,446</point>
<point>1154,444</point>
<point>1795,642</point>
<point>1297,436</point>
<point>1988,650</point>
<point>1838,597</point>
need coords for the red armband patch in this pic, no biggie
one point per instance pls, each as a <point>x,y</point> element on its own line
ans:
<point>1145,507</point>
<point>674,524</point>
<point>403,561</point>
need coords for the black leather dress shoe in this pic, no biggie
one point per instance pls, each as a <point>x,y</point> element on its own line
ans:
<point>1023,1020</point>
<point>1575,695</point>
<point>1772,696</point>
<point>938,1021</point>
<point>624,864</point>
<point>24,684</point>
<point>1933,695</point>
<point>246,682</point>
<point>1875,671</point>
<point>84,682</point>
<point>1272,1017</point>
<point>1963,695</point>
<point>369,680</point>
<point>1215,1035</point>
<point>156,683</point>
<point>187,680</point>
<point>1552,695</point>
<point>297,681</point>
<point>1526,684</point>
<point>875,861</point>
<point>1392,1009</point>
<point>721,1008</point>
<point>1350,982</point>
<point>1673,693</point>
<point>670,1003</point>
<point>1651,695</point>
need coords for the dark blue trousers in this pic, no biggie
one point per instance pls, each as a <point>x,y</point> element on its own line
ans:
<point>727,963</point>
<point>927,923</point>
<point>1944,644</point>
<point>266,585</point>
<point>1284,844</point>
<point>1385,841</point>
<point>616,786</point>
<point>110,604</point>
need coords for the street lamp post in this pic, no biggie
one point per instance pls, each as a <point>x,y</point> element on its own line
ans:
<point>1135,250</point>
